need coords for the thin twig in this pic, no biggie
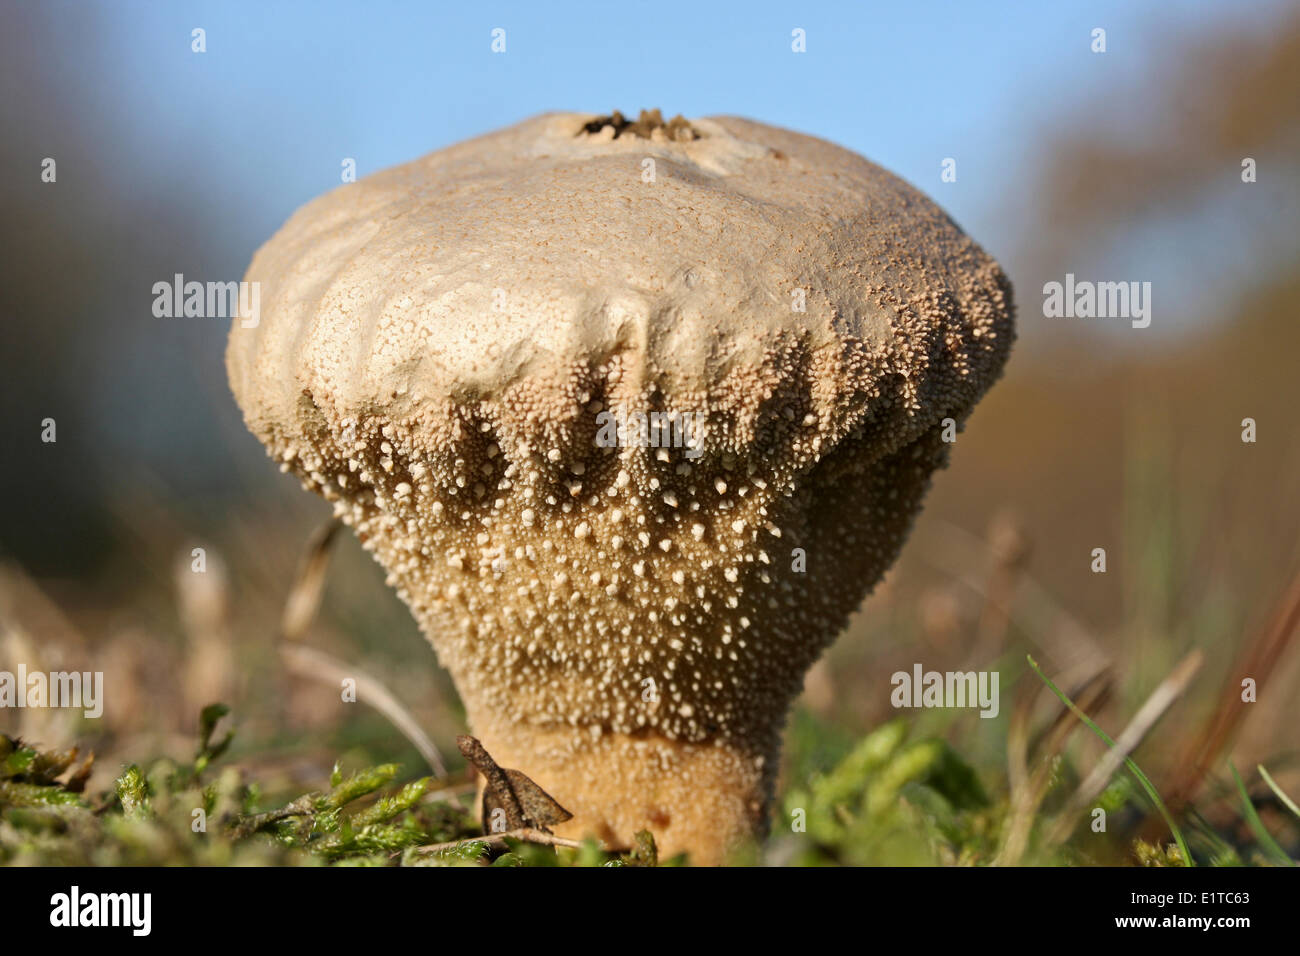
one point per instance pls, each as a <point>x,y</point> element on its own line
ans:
<point>1278,791</point>
<point>527,834</point>
<point>1257,660</point>
<point>303,806</point>
<point>300,608</point>
<point>308,583</point>
<point>1169,690</point>
<point>1018,740</point>
<point>1133,768</point>
<point>1032,790</point>
<point>310,662</point>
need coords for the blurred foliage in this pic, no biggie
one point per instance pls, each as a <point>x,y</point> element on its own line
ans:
<point>175,814</point>
<point>884,799</point>
<point>893,801</point>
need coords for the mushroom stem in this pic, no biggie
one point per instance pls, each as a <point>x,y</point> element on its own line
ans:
<point>706,799</point>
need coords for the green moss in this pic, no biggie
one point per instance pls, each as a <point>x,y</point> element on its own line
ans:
<point>883,799</point>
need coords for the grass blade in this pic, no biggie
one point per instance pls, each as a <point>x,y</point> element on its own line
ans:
<point>1281,794</point>
<point>1133,768</point>
<point>1257,825</point>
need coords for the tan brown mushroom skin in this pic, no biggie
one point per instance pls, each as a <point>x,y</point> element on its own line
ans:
<point>626,625</point>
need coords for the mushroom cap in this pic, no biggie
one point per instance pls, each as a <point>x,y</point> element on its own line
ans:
<point>441,347</point>
<point>514,257</point>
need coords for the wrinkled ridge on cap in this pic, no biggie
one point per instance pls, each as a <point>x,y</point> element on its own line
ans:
<point>532,255</point>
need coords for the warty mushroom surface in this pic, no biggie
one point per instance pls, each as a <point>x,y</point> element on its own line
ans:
<point>441,346</point>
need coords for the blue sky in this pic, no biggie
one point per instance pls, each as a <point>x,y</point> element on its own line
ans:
<point>172,161</point>
<point>286,90</point>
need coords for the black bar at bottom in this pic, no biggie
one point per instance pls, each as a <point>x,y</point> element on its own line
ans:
<point>331,906</point>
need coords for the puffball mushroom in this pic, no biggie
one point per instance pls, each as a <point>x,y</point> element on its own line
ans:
<point>465,354</point>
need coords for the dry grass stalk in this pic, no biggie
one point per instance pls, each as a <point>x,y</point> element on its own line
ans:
<point>318,665</point>
<point>1028,795</point>
<point>527,834</point>
<point>1168,691</point>
<point>309,583</point>
<point>1257,660</point>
